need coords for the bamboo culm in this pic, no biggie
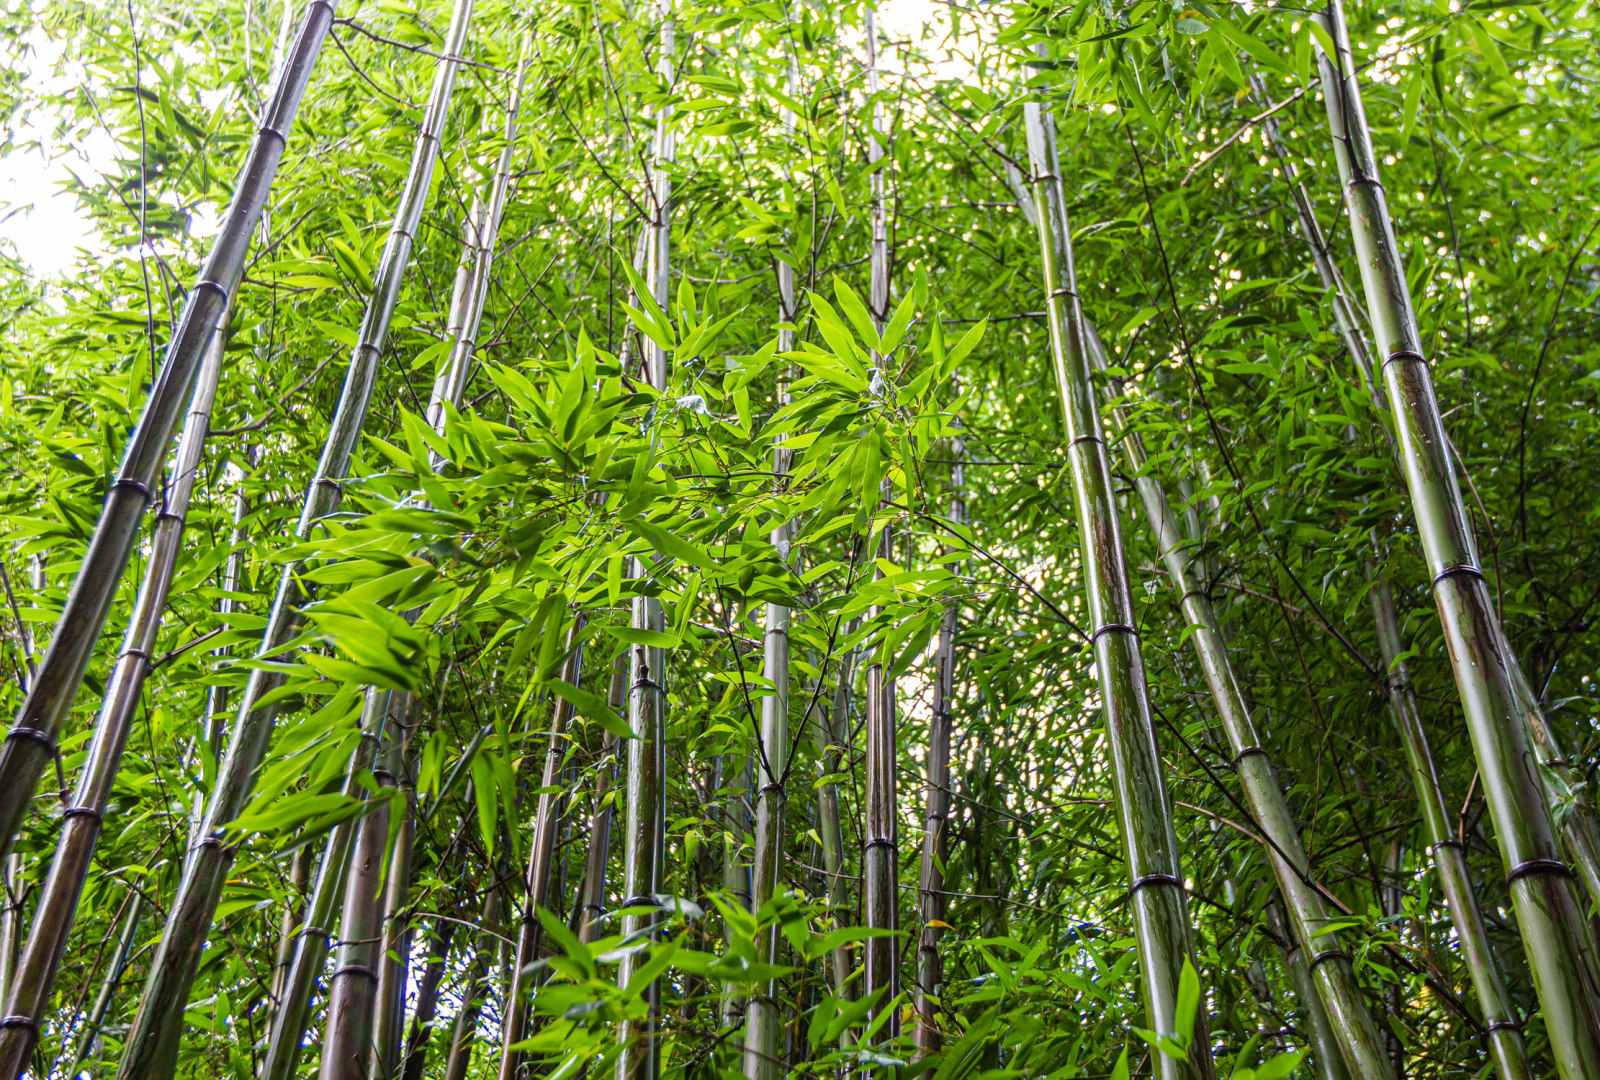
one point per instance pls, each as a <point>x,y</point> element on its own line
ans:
<point>1331,970</point>
<point>31,743</point>
<point>644,843</point>
<point>31,986</point>
<point>541,857</point>
<point>421,1036</point>
<point>763,1019</point>
<point>1161,921</point>
<point>880,846</point>
<point>590,909</point>
<point>475,988</point>
<point>151,1050</point>
<point>936,802</point>
<point>1541,885</point>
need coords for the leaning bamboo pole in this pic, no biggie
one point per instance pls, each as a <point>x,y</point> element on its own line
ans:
<point>1447,850</point>
<point>1155,876</point>
<point>763,1017</point>
<point>1541,884</point>
<point>151,1048</point>
<point>880,846</point>
<point>644,840</point>
<point>1332,973</point>
<point>31,986</point>
<point>933,903</point>
<point>31,743</point>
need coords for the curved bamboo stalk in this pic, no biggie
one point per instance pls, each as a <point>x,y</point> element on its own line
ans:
<point>1541,884</point>
<point>31,742</point>
<point>1155,877</point>
<point>514,1025</point>
<point>1449,854</point>
<point>763,1018</point>
<point>151,1050</point>
<point>31,986</point>
<point>880,847</point>
<point>936,799</point>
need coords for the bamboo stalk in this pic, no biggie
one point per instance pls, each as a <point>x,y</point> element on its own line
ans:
<point>829,732</point>
<point>880,852</point>
<point>95,1020</point>
<point>514,1023</point>
<point>394,950</point>
<point>421,1036</point>
<point>593,895</point>
<point>1331,970</point>
<point>31,986</point>
<point>476,982</point>
<point>151,1050</point>
<point>936,798</point>
<point>285,1035</point>
<point>1155,876</point>
<point>1541,884</point>
<point>1322,1036</point>
<point>353,986</point>
<point>763,1018</point>
<point>31,742</point>
<point>644,845</point>
<point>1449,854</point>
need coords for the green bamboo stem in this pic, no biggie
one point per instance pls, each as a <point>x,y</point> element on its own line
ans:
<point>285,1035</point>
<point>1322,1036</point>
<point>591,905</point>
<point>294,913</point>
<point>932,902</point>
<point>1541,884</point>
<point>763,1018</point>
<point>421,1036</point>
<point>353,986</point>
<point>880,846</point>
<point>1448,852</point>
<point>31,743</point>
<point>1332,973</point>
<point>514,1024</point>
<point>394,950</point>
<point>830,728</point>
<point>464,1031</point>
<point>31,986</point>
<point>151,1050</point>
<point>644,844</point>
<point>737,870</point>
<point>1161,924</point>
<point>94,1022</point>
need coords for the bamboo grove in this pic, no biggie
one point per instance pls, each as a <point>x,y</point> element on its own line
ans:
<point>774,539</point>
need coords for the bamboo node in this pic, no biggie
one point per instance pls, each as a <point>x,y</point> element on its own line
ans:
<point>1119,627</point>
<point>1501,1025</point>
<point>1063,291</point>
<point>355,969</point>
<point>1404,354</point>
<point>1458,570</point>
<point>26,1023</point>
<point>1154,879</point>
<point>83,811</point>
<point>22,731</point>
<point>133,484</point>
<point>1331,954</point>
<point>1545,867</point>
<point>1249,751</point>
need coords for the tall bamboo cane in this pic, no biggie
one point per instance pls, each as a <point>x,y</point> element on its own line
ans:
<point>34,980</point>
<point>1541,884</point>
<point>150,1052</point>
<point>590,907</point>
<point>1155,876</point>
<point>1449,855</point>
<point>1331,970</point>
<point>476,988</point>
<point>880,851</point>
<point>417,1042</point>
<point>763,1030</point>
<point>935,837</point>
<point>541,857</point>
<point>1322,1036</point>
<point>353,987</point>
<point>644,846</point>
<point>394,949</point>
<point>830,726</point>
<point>31,742</point>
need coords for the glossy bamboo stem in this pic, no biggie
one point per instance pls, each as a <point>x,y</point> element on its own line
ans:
<point>1541,884</point>
<point>1161,921</point>
<point>31,743</point>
